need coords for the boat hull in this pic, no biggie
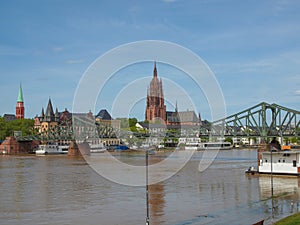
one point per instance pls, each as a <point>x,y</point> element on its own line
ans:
<point>50,150</point>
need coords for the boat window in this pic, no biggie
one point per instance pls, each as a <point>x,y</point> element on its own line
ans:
<point>294,163</point>
<point>283,160</point>
<point>279,160</point>
<point>266,160</point>
<point>286,154</point>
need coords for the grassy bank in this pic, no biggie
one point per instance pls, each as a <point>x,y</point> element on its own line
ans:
<point>290,220</point>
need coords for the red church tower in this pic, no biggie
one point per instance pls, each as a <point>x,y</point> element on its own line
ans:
<point>20,110</point>
<point>155,99</point>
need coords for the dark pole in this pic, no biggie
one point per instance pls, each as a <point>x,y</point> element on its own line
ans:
<point>272,190</point>
<point>147,189</point>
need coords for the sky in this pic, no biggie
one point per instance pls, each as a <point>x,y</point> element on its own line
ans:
<point>252,48</point>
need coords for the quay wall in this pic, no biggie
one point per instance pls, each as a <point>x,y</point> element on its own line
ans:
<point>12,147</point>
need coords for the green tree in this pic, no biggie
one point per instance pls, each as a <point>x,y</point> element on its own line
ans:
<point>132,122</point>
<point>7,128</point>
<point>228,139</point>
<point>127,124</point>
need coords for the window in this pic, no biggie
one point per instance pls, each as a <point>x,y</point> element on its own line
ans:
<point>266,160</point>
<point>279,160</point>
<point>283,160</point>
<point>294,163</point>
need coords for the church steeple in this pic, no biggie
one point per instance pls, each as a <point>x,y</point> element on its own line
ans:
<point>20,109</point>
<point>20,96</point>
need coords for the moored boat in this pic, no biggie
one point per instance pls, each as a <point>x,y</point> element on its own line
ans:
<point>45,149</point>
<point>194,146</point>
<point>198,146</point>
<point>215,146</point>
<point>97,148</point>
<point>279,162</point>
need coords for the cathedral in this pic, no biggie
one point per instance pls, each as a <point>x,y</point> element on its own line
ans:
<point>156,108</point>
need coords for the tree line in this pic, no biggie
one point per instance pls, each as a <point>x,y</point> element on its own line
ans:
<point>7,128</point>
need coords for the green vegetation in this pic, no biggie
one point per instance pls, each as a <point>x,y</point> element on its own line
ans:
<point>228,139</point>
<point>127,123</point>
<point>290,220</point>
<point>7,128</point>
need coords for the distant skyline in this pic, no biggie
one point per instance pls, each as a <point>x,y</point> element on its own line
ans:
<point>253,47</point>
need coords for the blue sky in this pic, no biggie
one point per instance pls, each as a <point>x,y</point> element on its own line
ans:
<point>253,47</point>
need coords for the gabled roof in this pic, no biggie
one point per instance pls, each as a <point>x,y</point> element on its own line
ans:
<point>188,116</point>
<point>49,110</point>
<point>104,115</point>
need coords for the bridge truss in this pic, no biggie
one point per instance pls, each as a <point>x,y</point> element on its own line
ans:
<point>263,120</point>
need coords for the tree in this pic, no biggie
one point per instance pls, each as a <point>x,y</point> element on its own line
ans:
<point>127,124</point>
<point>132,122</point>
<point>228,139</point>
<point>7,128</point>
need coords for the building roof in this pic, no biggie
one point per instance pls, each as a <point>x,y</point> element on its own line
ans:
<point>188,116</point>
<point>104,115</point>
<point>182,117</point>
<point>20,95</point>
<point>49,110</point>
<point>9,117</point>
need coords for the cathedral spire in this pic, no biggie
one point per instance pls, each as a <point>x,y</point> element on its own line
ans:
<point>155,70</point>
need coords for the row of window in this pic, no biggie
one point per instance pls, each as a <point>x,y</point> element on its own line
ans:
<point>283,160</point>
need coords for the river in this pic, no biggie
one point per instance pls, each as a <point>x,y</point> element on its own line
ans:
<point>61,190</point>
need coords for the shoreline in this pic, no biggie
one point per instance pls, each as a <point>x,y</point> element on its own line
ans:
<point>289,220</point>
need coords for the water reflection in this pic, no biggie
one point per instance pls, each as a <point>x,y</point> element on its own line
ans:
<point>156,196</point>
<point>285,197</point>
<point>60,190</point>
<point>156,203</point>
<point>281,186</point>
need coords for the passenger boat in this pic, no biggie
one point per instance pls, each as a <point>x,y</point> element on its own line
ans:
<point>279,162</point>
<point>45,149</point>
<point>97,148</point>
<point>195,146</point>
<point>198,146</point>
<point>215,146</point>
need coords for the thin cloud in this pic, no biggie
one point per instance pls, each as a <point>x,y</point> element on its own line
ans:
<point>170,1</point>
<point>75,61</point>
<point>297,92</point>
<point>57,49</point>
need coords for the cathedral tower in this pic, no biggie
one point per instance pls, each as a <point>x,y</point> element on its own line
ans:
<point>20,110</point>
<point>155,99</point>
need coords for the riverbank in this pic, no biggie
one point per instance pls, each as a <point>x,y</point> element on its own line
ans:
<point>290,220</point>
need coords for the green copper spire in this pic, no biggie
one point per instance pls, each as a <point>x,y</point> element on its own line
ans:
<point>20,96</point>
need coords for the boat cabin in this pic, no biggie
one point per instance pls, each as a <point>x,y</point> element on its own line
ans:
<point>279,162</point>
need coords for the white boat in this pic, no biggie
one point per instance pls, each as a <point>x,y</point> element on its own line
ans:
<point>215,146</point>
<point>194,146</point>
<point>46,149</point>
<point>97,148</point>
<point>189,143</point>
<point>198,146</point>
<point>279,162</point>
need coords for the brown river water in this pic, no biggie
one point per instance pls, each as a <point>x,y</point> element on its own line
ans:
<point>60,190</point>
